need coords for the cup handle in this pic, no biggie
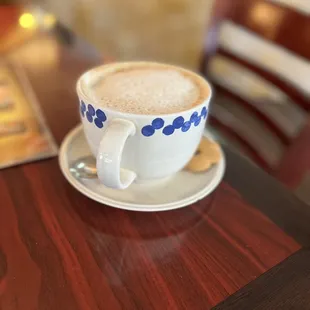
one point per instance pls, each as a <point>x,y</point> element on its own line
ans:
<point>110,154</point>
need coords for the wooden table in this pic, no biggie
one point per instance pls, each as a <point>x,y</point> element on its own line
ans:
<point>243,247</point>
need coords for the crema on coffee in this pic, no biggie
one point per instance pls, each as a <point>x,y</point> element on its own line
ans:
<point>148,89</point>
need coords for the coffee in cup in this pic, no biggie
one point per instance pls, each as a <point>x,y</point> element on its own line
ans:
<point>143,121</point>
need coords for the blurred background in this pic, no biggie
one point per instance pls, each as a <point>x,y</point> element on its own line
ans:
<point>166,30</point>
<point>255,53</point>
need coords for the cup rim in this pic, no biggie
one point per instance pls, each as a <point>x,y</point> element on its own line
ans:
<point>83,96</point>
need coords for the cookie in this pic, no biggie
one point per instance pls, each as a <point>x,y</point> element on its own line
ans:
<point>207,154</point>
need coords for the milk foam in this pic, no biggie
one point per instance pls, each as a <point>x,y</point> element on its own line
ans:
<point>151,90</point>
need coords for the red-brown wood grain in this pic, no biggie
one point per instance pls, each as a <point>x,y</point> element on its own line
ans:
<point>76,251</point>
<point>296,162</point>
<point>61,250</point>
<point>287,286</point>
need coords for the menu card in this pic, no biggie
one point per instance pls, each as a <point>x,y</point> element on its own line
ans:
<point>24,135</point>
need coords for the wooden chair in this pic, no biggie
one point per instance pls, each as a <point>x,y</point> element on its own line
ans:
<point>256,55</point>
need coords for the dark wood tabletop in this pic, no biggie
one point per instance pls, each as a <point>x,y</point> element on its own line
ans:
<point>243,247</point>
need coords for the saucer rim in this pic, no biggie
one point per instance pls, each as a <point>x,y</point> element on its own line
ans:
<point>85,190</point>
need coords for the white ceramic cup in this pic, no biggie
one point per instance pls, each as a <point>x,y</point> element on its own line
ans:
<point>139,147</point>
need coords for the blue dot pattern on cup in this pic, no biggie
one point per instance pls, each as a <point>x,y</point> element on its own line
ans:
<point>178,123</point>
<point>168,130</point>
<point>93,115</point>
<point>148,131</point>
<point>158,123</point>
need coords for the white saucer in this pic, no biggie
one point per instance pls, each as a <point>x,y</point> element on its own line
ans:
<point>182,189</point>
